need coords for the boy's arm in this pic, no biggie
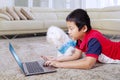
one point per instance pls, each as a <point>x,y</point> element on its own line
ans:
<point>76,55</point>
<point>86,63</point>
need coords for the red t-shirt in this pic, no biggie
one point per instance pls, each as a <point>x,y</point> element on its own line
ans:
<point>94,44</point>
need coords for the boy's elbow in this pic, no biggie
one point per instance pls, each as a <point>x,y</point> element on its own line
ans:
<point>88,66</point>
<point>89,63</point>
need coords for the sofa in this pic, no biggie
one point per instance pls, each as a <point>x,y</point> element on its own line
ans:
<point>106,20</point>
<point>43,18</point>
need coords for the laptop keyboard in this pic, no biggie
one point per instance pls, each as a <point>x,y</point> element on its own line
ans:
<point>34,67</point>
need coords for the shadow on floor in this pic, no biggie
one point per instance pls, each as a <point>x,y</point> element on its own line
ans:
<point>22,36</point>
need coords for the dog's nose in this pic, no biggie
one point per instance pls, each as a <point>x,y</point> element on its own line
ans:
<point>56,46</point>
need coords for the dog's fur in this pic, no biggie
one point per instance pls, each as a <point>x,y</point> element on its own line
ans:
<point>58,37</point>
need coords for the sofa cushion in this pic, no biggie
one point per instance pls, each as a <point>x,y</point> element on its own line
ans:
<point>41,9</point>
<point>106,24</point>
<point>11,18</point>
<point>1,19</point>
<point>19,13</point>
<point>59,23</point>
<point>62,15</point>
<point>45,16</point>
<point>21,25</point>
<point>94,9</point>
<point>109,15</point>
<point>4,17</point>
<point>94,15</point>
<point>6,13</point>
<point>27,13</point>
<point>11,11</point>
<point>111,8</point>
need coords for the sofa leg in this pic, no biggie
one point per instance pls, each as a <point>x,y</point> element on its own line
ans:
<point>5,37</point>
<point>35,34</point>
<point>14,36</point>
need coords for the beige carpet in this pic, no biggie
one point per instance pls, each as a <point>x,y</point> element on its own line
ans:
<point>30,49</point>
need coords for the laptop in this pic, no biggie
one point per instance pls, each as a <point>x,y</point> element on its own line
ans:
<point>31,68</point>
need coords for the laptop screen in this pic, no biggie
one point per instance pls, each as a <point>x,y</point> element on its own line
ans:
<point>15,56</point>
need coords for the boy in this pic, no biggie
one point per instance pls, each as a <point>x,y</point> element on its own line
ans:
<point>92,42</point>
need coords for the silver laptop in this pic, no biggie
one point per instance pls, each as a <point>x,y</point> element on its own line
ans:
<point>31,68</point>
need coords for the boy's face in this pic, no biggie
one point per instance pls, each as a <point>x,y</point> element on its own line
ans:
<point>74,32</point>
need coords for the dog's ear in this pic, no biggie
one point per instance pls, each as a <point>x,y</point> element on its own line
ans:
<point>53,35</point>
<point>57,35</point>
<point>61,40</point>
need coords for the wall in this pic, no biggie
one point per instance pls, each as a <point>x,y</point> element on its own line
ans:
<point>21,3</point>
<point>92,3</point>
<point>59,4</point>
<point>75,3</point>
<point>4,3</point>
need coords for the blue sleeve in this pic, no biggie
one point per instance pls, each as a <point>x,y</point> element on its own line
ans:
<point>94,48</point>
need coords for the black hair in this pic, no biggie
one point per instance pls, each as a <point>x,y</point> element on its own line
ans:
<point>80,17</point>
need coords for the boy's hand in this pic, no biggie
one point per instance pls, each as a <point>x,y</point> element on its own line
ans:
<point>48,58</point>
<point>52,63</point>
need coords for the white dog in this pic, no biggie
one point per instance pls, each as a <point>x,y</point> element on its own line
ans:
<point>61,40</point>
